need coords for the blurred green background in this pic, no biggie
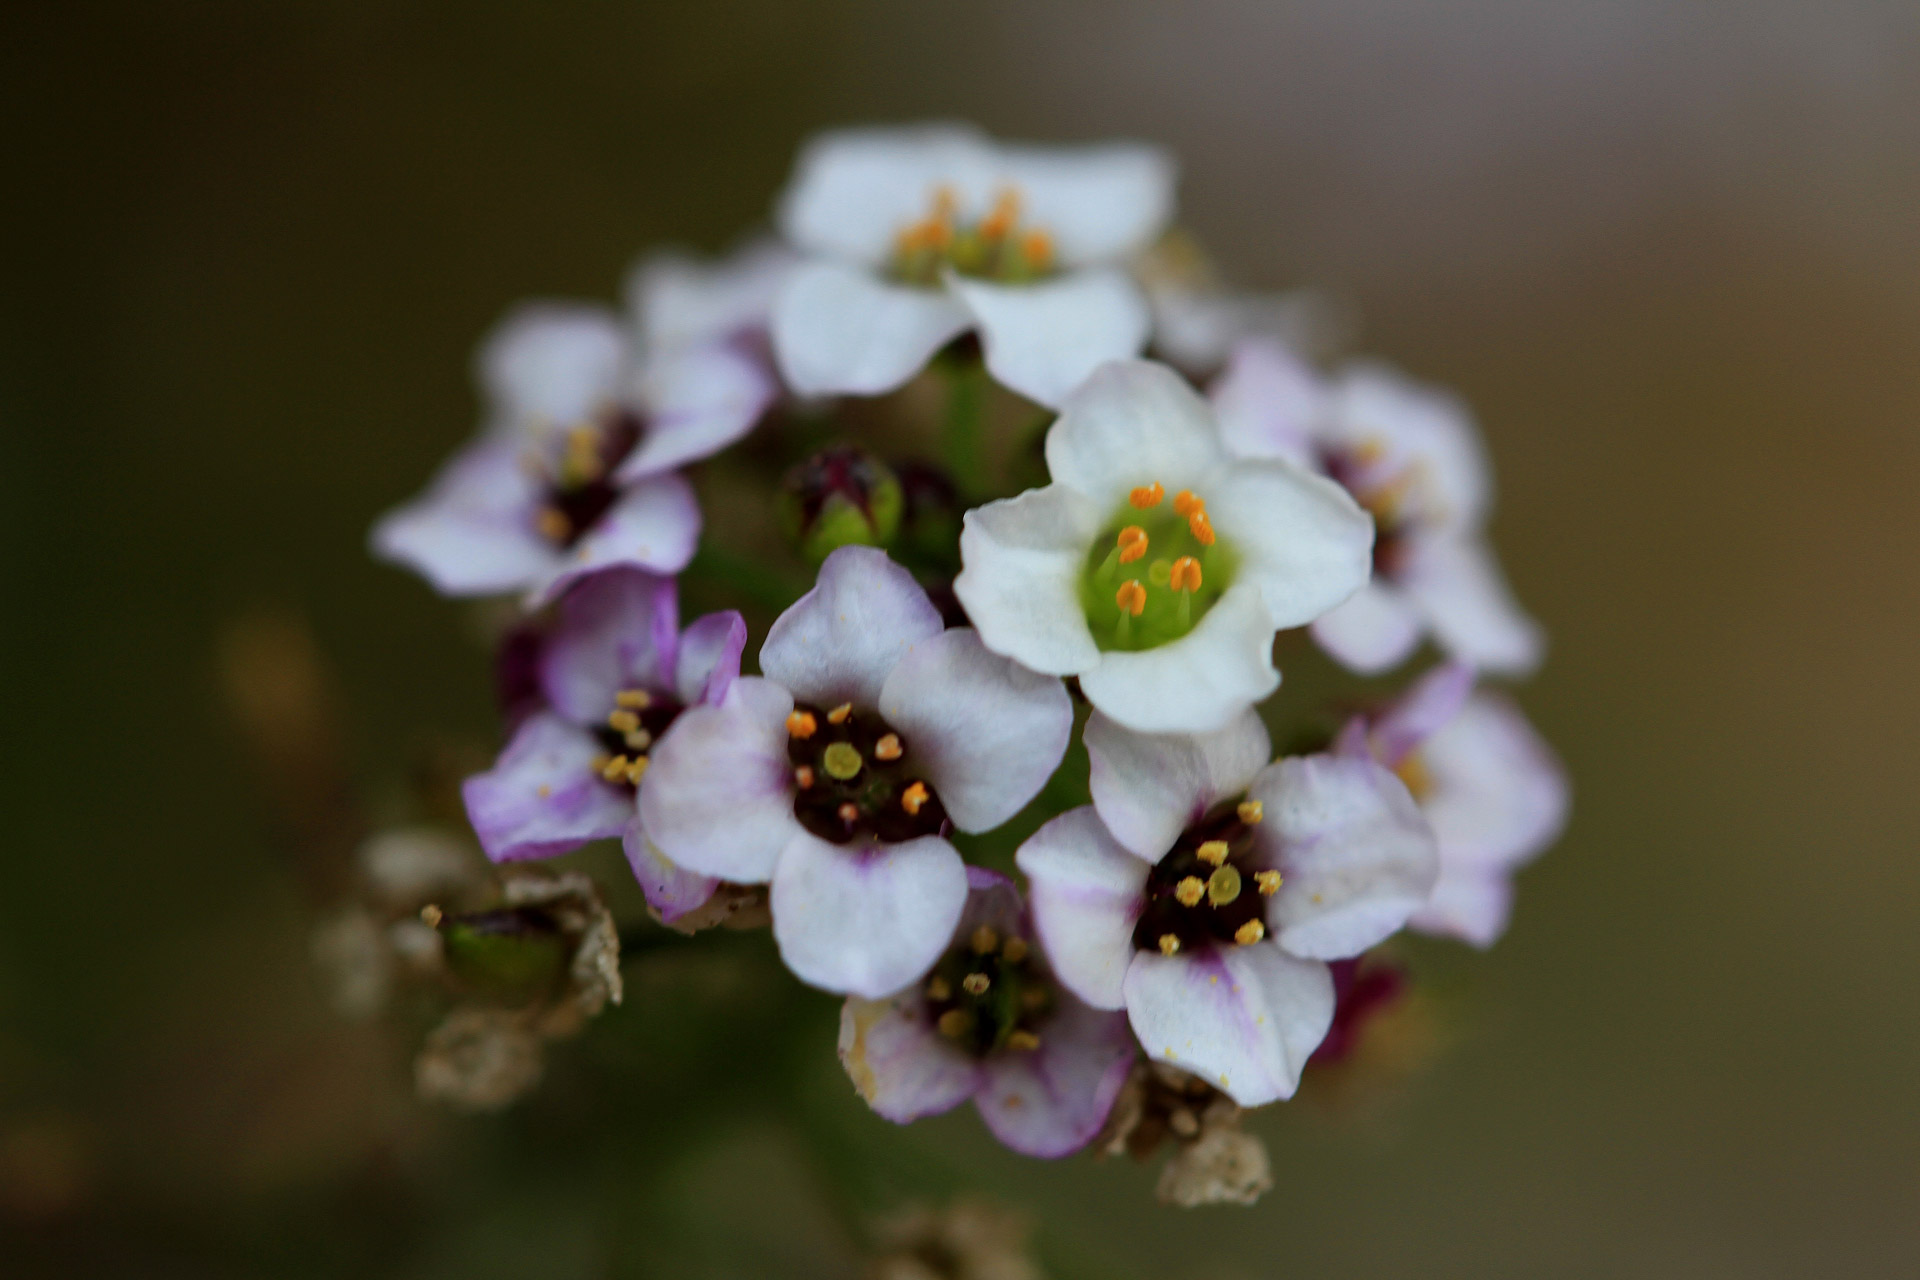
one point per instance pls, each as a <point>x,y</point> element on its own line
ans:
<point>1669,253</point>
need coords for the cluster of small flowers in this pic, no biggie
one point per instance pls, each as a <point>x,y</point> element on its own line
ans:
<point>1193,904</point>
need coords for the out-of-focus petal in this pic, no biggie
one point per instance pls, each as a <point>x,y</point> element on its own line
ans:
<point>1044,339</point>
<point>471,533</point>
<point>1419,713</point>
<point>1267,402</point>
<point>678,299</point>
<point>1097,203</point>
<point>854,190</point>
<point>617,630</point>
<point>671,889</point>
<point>709,658</point>
<point>1375,630</point>
<point>840,330</point>
<point>543,796</point>
<point>551,364</point>
<point>1458,586</point>
<point>697,402</point>
<point>654,526</point>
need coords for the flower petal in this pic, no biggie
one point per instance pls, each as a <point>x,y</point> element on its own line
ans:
<point>840,330</point>
<point>1268,401</point>
<point>1417,429</point>
<point>1197,683</point>
<point>654,525</point>
<point>1050,1102</point>
<point>899,1063</point>
<point>1098,203</point>
<point>838,642</point>
<point>853,190</point>
<point>1356,858</point>
<point>1422,711</point>
<point>987,732</point>
<point>1302,539</point>
<point>698,401</point>
<point>1131,423</point>
<point>551,364</point>
<point>471,533</point>
<point>865,919</point>
<point>543,797</point>
<point>678,299</point>
<point>1374,630</point>
<point>617,631</point>
<point>1020,583</point>
<point>1148,788</point>
<point>1042,340</point>
<point>1459,587</point>
<point>1244,1019</point>
<point>671,889</point>
<point>718,797</point>
<point>1472,904</point>
<point>709,658</point>
<point>1498,796</point>
<point>1084,889</point>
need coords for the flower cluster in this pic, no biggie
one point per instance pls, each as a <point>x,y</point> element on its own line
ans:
<point>1002,774</point>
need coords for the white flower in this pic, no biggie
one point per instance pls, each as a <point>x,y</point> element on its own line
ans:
<point>679,300</point>
<point>914,236</point>
<point>1198,320</point>
<point>1411,455</point>
<point>1154,567</point>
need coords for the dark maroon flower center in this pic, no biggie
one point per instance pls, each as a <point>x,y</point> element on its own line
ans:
<point>1208,890</point>
<point>627,735</point>
<point>853,775</point>
<point>989,993</point>
<point>580,486</point>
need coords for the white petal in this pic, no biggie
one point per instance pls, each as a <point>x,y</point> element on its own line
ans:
<point>1422,711</point>
<point>1098,203</point>
<point>1468,903</point>
<point>1196,327</point>
<point>717,797</point>
<point>1355,856</point>
<point>1302,539</point>
<point>1267,402</point>
<point>899,1063</point>
<point>1020,581</point>
<point>865,919</point>
<point>838,642</point>
<point>841,330</point>
<point>1416,428</point>
<point>1458,586</point>
<point>1043,340</point>
<point>1133,422</point>
<point>1051,1101</point>
<point>987,732</point>
<point>1084,888</point>
<point>1375,630</point>
<point>1244,1019</point>
<point>697,401</point>
<point>654,526</point>
<point>709,658</point>
<point>1498,796</point>
<point>670,889</point>
<point>543,796</point>
<point>679,299</point>
<point>853,190</point>
<point>1197,683</point>
<point>472,532</point>
<point>617,631</point>
<point>551,364</point>
<point>1148,788</point>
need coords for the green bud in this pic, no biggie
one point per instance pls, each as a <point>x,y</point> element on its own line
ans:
<point>840,497</point>
<point>513,954</point>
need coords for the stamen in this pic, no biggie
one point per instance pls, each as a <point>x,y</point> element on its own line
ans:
<point>1131,597</point>
<point>888,748</point>
<point>955,1023</point>
<point>1015,950</point>
<point>1037,248</point>
<point>976,984</point>
<point>985,941</point>
<point>638,769</point>
<point>939,989</point>
<point>1169,944</point>
<point>431,915</point>
<point>1190,890</point>
<point>1269,882</point>
<point>553,524</point>
<point>1148,496</point>
<point>849,813</point>
<point>1184,574</point>
<point>623,721</point>
<point>803,776</point>
<point>1186,502</point>
<point>1006,211</point>
<point>842,760</point>
<point>840,713</point>
<point>1133,544</point>
<point>1213,852</point>
<point>1201,528</point>
<point>1032,998</point>
<point>637,739</point>
<point>802,725</point>
<point>912,799</point>
<point>1022,1041</point>
<point>1249,933</point>
<point>615,770</point>
<point>633,699</point>
<point>1223,886</point>
<point>1251,811</point>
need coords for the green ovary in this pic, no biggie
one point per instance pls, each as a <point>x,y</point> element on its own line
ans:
<point>1167,613</point>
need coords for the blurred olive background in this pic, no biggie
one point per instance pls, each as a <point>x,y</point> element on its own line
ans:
<point>1668,252</point>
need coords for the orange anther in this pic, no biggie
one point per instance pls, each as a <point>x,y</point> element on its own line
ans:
<point>1131,597</point>
<point>944,202</point>
<point>849,813</point>
<point>803,776</point>
<point>914,798</point>
<point>1201,527</point>
<point>888,748</point>
<point>1186,502</point>
<point>1148,496</point>
<point>1185,574</point>
<point>1006,211</point>
<point>1133,543</point>
<point>801,724</point>
<point>840,713</point>
<point>1037,248</point>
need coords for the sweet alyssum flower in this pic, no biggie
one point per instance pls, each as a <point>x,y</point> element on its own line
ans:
<point>1155,567</point>
<point>914,236</point>
<point>1488,784</point>
<point>836,776</point>
<point>1411,456</point>
<point>614,672</point>
<point>1204,888</point>
<point>574,471</point>
<point>680,300</point>
<point>1198,320</point>
<point>990,1024</point>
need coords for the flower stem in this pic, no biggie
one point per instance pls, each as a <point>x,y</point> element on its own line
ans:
<point>963,432</point>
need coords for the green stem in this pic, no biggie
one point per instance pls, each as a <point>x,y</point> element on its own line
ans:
<point>963,433</point>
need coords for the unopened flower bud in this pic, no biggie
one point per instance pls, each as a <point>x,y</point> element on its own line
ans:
<point>840,497</point>
<point>511,954</point>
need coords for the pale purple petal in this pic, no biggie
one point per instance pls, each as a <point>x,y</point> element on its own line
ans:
<point>1419,713</point>
<point>1410,428</point>
<point>1355,855</point>
<point>1301,538</point>
<point>1049,1102</point>
<point>1133,423</point>
<point>1497,795</point>
<point>709,658</point>
<point>697,401</point>
<point>543,796</point>
<point>1197,683</point>
<point>1267,402</point>
<point>718,795</point>
<point>679,299</point>
<point>899,1062</point>
<point>551,364</point>
<point>992,900</point>
<point>1020,586</point>
<point>1376,630</point>
<point>838,642</point>
<point>986,732</point>
<point>1043,340</point>
<point>840,330</point>
<point>471,533</point>
<point>671,889</point>
<point>617,630</point>
<point>1084,889</point>
<point>1458,586</point>
<point>1472,904</point>
<point>1244,1019</point>
<point>865,919</point>
<point>653,526</point>
<point>1148,788</point>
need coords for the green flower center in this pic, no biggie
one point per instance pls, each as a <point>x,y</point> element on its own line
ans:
<point>994,247</point>
<point>1155,571</point>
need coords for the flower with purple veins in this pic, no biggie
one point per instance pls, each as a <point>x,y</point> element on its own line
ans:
<point>1204,889</point>
<point>990,1024</point>
<point>837,776</point>
<point>574,471</point>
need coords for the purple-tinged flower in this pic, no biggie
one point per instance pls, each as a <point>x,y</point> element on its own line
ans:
<point>679,300</point>
<point>989,1023</point>
<point>914,236</point>
<point>1155,567</point>
<point>1204,889</point>
<point>614,672</point>
<point>837,776</point>
<point>1411,456</point>
<point>1490,787</point>
<point>574,471</point>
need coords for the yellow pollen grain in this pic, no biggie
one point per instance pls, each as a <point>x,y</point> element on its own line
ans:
<point>1249,933</point>
<point>888,748</point>
<point>1201,528</point>
<point>1190,890</point>
<point>849,812</point>
<point>1169,945</point>
<point>553,524</point>
<point>955,1023</point>
<point>842,760</point>
<point>976,984</point>
<point>623,721</point>
<point>638,769</point>
<point>803,776</point>
<point>984,940</point>
<point>1015,950</point>
<point>840,713</point>
<point>1023,1041</point>
<point>1037,248</point>
<point>1213,852</point>
<point>802,725</point>
<point>1269,882</point>
<point>431,915</point>
<point>1186,502</point>
<point>914,798</point>
<point>633,699</point>
<point>637,739</point>
<point>1223,886</point>
<point>1251,811</point>
<point>1148,496</point>
<point>939,988</point>
<point>616,769</point>
<point>1184,575</point>
<point>1131,597</point>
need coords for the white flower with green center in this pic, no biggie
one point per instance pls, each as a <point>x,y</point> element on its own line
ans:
<point>1154,567</point>
<point>915,236</point>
